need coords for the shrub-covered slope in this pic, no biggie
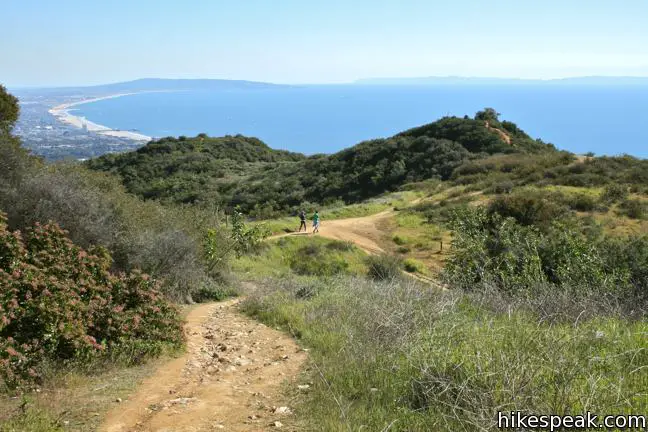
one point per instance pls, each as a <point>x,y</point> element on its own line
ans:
<point>243,171</point>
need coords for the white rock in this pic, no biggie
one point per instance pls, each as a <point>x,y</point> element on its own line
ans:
<point>282,410</point>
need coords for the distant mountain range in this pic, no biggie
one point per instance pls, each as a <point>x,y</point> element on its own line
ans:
<point>148,84</point>
<point>455,80</point>
<point>152,84</point>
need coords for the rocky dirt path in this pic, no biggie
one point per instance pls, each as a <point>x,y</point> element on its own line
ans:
<point>231,378</point>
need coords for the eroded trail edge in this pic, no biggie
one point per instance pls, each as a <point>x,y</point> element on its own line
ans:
<point>231,378</point>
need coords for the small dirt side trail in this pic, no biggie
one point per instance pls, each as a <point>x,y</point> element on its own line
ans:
<point>505,137</point>
<point>365,233</point>
<point>362,231</point>
<point>231,378</point>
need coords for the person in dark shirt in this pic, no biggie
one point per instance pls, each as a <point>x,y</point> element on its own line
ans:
<point>302,221</point>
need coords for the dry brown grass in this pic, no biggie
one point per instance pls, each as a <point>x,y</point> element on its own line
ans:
<point>70,400</point>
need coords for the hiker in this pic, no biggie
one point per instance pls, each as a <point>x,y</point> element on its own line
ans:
<point>316,222</point>
<point>302,221</point>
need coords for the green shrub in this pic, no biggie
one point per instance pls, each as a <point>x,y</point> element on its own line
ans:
<point>339,245</point>
<point>628,258</point>
<point>414,266</point>
<point>614,193</point>
<point>213,293</point>
<point>59,302</point>
<point>504,187</point>
<point>582,202</point>
<point>403,250</point>
<point>384,267</point>
<point>570,259</point>
<point>9,109</point>
<point>530,207</point>
<point>399,240</point>
<point>490,249</point>
<point>633,208</point>
<point>317,260</point>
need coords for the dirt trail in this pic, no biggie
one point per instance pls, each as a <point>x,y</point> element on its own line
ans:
<point>363,231</point>
<point>506,137</point>
<point>229,379</point>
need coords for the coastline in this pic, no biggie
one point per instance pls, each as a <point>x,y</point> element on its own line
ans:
<point>62,114</point>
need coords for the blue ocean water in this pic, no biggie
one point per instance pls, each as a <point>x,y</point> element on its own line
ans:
<point>324,119</point>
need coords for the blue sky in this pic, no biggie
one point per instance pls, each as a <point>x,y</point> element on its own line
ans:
<point>77,42</point>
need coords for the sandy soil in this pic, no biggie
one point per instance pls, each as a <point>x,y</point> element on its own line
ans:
<point>231,378</point>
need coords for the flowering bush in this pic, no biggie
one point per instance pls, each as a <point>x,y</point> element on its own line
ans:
<point>59,302</point>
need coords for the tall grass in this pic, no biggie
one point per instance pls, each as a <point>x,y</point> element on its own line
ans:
<point>397,356</point>
<point>302,255</point>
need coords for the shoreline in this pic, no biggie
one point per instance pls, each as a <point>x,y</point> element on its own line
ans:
<point>62,113</point>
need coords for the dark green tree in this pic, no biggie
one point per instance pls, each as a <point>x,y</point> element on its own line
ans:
<point>489,115</point>
<point>9,109</point>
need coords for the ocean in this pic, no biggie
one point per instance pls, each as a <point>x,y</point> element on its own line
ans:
<point>326,118</point>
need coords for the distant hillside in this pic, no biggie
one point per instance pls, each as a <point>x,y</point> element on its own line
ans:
<point>148,84</point>
<point>180,84</point>
<point>454,80</point>
<point>191,169</point>
<point>243,171</point>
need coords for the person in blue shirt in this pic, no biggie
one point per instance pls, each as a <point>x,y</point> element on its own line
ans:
<point>316,222</point>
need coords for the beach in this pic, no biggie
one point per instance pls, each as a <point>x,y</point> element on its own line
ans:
<point>63,114</point>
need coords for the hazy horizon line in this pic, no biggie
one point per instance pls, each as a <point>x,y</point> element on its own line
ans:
<point>355,81</point>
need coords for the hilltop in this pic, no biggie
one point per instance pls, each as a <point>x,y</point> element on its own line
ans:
<point>240,171</point>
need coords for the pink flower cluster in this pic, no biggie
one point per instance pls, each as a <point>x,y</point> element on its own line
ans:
<point>59,302</point>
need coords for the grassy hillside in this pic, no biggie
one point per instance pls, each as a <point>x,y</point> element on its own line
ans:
<point>243,171</point>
